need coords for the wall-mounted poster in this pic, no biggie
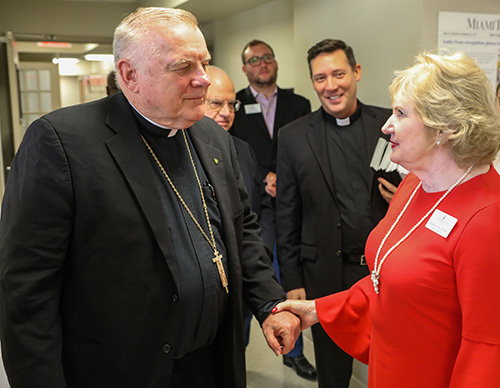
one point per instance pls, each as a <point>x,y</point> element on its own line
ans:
<point>477,35</point>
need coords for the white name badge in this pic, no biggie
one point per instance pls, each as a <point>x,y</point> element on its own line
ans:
<point>441,223</point>
<point>252,108</point>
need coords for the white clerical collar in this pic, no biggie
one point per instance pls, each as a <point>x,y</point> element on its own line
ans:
<point>172,131</point>
<point>343,122</point>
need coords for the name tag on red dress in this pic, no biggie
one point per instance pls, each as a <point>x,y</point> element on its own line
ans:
<point>441,223</point>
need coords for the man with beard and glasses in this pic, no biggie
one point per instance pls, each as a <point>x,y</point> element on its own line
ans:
<point>265,108</point>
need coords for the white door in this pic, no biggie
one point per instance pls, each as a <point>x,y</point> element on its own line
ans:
<point>39,91</point>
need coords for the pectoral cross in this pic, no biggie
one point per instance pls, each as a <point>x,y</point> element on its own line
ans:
<point>218,260</point>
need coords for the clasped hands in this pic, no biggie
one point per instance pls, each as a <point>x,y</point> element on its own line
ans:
<point>283,326</point>
<point>270,183</point>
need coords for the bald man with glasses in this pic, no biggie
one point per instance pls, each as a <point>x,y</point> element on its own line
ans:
<point>265,109</point>
<point>221,105</point>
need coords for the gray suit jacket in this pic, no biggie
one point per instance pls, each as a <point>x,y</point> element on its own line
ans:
<point>89,292</point>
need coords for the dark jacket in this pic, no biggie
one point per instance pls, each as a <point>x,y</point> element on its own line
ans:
<point>259,200</point>
<point>87,273</point>
<point>253,129</point>
<point>308,224</point>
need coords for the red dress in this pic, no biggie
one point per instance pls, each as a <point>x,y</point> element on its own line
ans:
<point>436,321</point>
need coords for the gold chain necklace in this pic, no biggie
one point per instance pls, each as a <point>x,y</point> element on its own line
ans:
<point>211,241</point>
<point>377,266</point>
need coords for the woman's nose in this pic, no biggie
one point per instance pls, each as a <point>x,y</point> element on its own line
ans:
<point>388,128</point>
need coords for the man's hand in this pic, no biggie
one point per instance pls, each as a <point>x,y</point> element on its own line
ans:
<point>387,189</point>
<point>281,331</point>
<point>270,182</point>
<point>304,309</point>
<point>297,294</point>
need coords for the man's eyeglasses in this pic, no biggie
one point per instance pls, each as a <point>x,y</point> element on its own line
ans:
<point>217,105</point>
<point>256,61</point>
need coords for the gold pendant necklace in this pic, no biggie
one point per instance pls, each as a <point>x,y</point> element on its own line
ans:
<point>377,266</point>
<point>211,241</point>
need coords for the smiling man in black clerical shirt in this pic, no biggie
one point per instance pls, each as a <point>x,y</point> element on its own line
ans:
<point>126,241</point>
<point>328,197</point>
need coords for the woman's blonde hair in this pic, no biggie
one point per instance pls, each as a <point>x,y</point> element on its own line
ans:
<point>452,95</point>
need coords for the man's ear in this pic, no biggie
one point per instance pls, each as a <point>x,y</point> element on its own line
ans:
<point>357,72</point>
<point>128,75</point>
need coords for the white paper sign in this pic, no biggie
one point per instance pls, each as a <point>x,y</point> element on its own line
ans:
<point>477,35</point>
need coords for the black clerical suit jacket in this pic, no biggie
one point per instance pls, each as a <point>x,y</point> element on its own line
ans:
<point>259,200</point>
<point>88,278</point>
<point>308,223</point>
<point>253,129</point>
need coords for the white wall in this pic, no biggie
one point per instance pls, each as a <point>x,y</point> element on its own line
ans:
<point>272,23</point>
<point>385,36</point>
<point>382,39</point>
<point>70,90</point>
<point>70,79</point>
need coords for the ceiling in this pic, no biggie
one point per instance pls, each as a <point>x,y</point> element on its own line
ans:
<point>206,11</point>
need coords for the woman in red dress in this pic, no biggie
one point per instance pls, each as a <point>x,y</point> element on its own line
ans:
<point>429,314</point>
